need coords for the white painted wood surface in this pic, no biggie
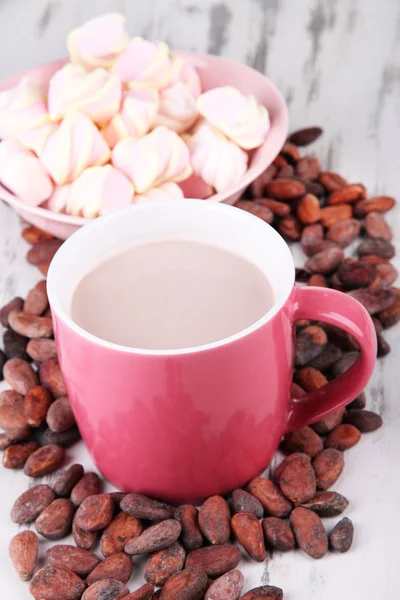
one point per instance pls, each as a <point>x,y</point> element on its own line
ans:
<point>338,64</point>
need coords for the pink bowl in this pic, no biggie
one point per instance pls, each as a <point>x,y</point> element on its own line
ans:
<point>214,71</point>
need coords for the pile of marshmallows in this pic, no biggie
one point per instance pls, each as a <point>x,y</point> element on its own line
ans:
<point>123,122</point>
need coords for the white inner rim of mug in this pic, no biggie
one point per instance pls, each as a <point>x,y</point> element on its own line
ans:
<point>191,220</point>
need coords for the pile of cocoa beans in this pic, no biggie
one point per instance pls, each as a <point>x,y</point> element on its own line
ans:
<point>191,554</point>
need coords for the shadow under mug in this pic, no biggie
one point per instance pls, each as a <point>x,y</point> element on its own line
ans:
<point>184,424</point>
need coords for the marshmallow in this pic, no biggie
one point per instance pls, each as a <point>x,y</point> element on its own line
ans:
<point>24,116</point>
<point>96,94</point>
<point>23,173</point>
<point>177,108</point>
<point>136,117</point>
<point>75,145</point>
<point>144,65</point>
<point>184,71</point>
<point>238,117</point>
<point>214,158</point>
<point>59,199</point>
<point>195,187</point>
<point>98,191</point>
<point>98,42</point>
<point>166,191</point>
<point>149,161</point>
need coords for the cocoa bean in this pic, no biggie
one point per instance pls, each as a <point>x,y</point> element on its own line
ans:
<point>89,485</point>
<point>154,538</point>
<point>23,550</point>
<point>36,300</point>
<point>248,531</point>
<point>377,203</point>
<point>311,236</point>
<point>214,560</point>
<point>385,277</point>
<point>43,252</point>
<point>374,301</point>
<point>267,592</point>
<point>73,559</point>
<point>37,403</point>
<point>312,187</point>
<point>341,536</point>
<point>270,496</point>
<point>310,342</point>
<point>374,259</point>
<point>214,520</point>
<point>280,209</point>
<point>356,274</point>
<point>15,456</point>
<point>31,503</point>
<point>189,584</point>
<point>344,364</point>
<point>308,209</point>
<point>353,192</point>
<point>117,498</point>
<point>327,504</point>
<point>164,564</point>
<point>145,508</point>
<point>121,529</point>
<point>188,517</point>
<point>303,440</point>
<point>30,326</point>
<point>145,592</point>
<point>301,275</point>
<point>14,435</point>
<point>286,171</point>
<point>33,235</point>
<point>328,423</point>
<point>95,512</point>
<point>50,583</point>
<point>284,189</point>
<point>377,227</point>
<point>333,214</point>
<point>12,415</point>
<point>344,232</point>
<point>106,589</point>
<point>15,345</point>
<point>383,347</point>
<point>309,532</point>
<point>83,539</point>
<point>328,357</point>
<point>45,460</point>
<point>118,566</point>
<point>310,379</point>
<point>55,522</point>
<point>304,137</point>
<point>308,167</point>
<point>378,247</point>
<point>365,420</point>
<point>340,338</point>
<point>19,375</point>
<point>259,210</point>
<point>359,402</point>
<point>41,349</point>
<point>325,261</point>
<point>278,534</point>
<point>60,416</point>
<point>332,181</point>
<point>290,152</point>
<point>343,437</point>
<point>65,439</point>
<point>67,480</point>
<point>280,162</point>
<point>15,304</point>
<point>297,480</point>
<point>51,377</point>
<point>259,184</point>
<point>242,501</point>
<point>227,587</point>
<point>317,280</point>
<point>282,466</point>
<point>290,228</point>
<point>391,315</point>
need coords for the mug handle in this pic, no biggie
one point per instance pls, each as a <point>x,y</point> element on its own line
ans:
<point>345,312</point>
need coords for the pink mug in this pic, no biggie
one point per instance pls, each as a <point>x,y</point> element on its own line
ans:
<point>185,424</point>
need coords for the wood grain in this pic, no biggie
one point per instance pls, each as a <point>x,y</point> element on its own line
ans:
<point>338,64</point>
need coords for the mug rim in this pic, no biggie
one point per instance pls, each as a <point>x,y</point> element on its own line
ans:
<point>288,273</point>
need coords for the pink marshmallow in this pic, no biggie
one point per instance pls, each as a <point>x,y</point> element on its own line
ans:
<point>177,108</point>
<point>96,94</point>
<point>153,159</point>
<point>186,73</point>
<point>23,174</point>
<point>214,158</point>
<point>195,187</point>
<point>59,199</point>
<point>166,191</point>
<point>24,116</point>
<point>238,117</point>
<point>98,42</point>
<point>144,65</point>
<point>135,118</point>
<point>98,191</point>
<point>74,146</point>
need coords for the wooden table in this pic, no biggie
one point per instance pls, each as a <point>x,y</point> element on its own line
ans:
<point>338,65</point>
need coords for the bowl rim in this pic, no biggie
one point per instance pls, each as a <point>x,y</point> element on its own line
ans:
<point>198,59</point>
